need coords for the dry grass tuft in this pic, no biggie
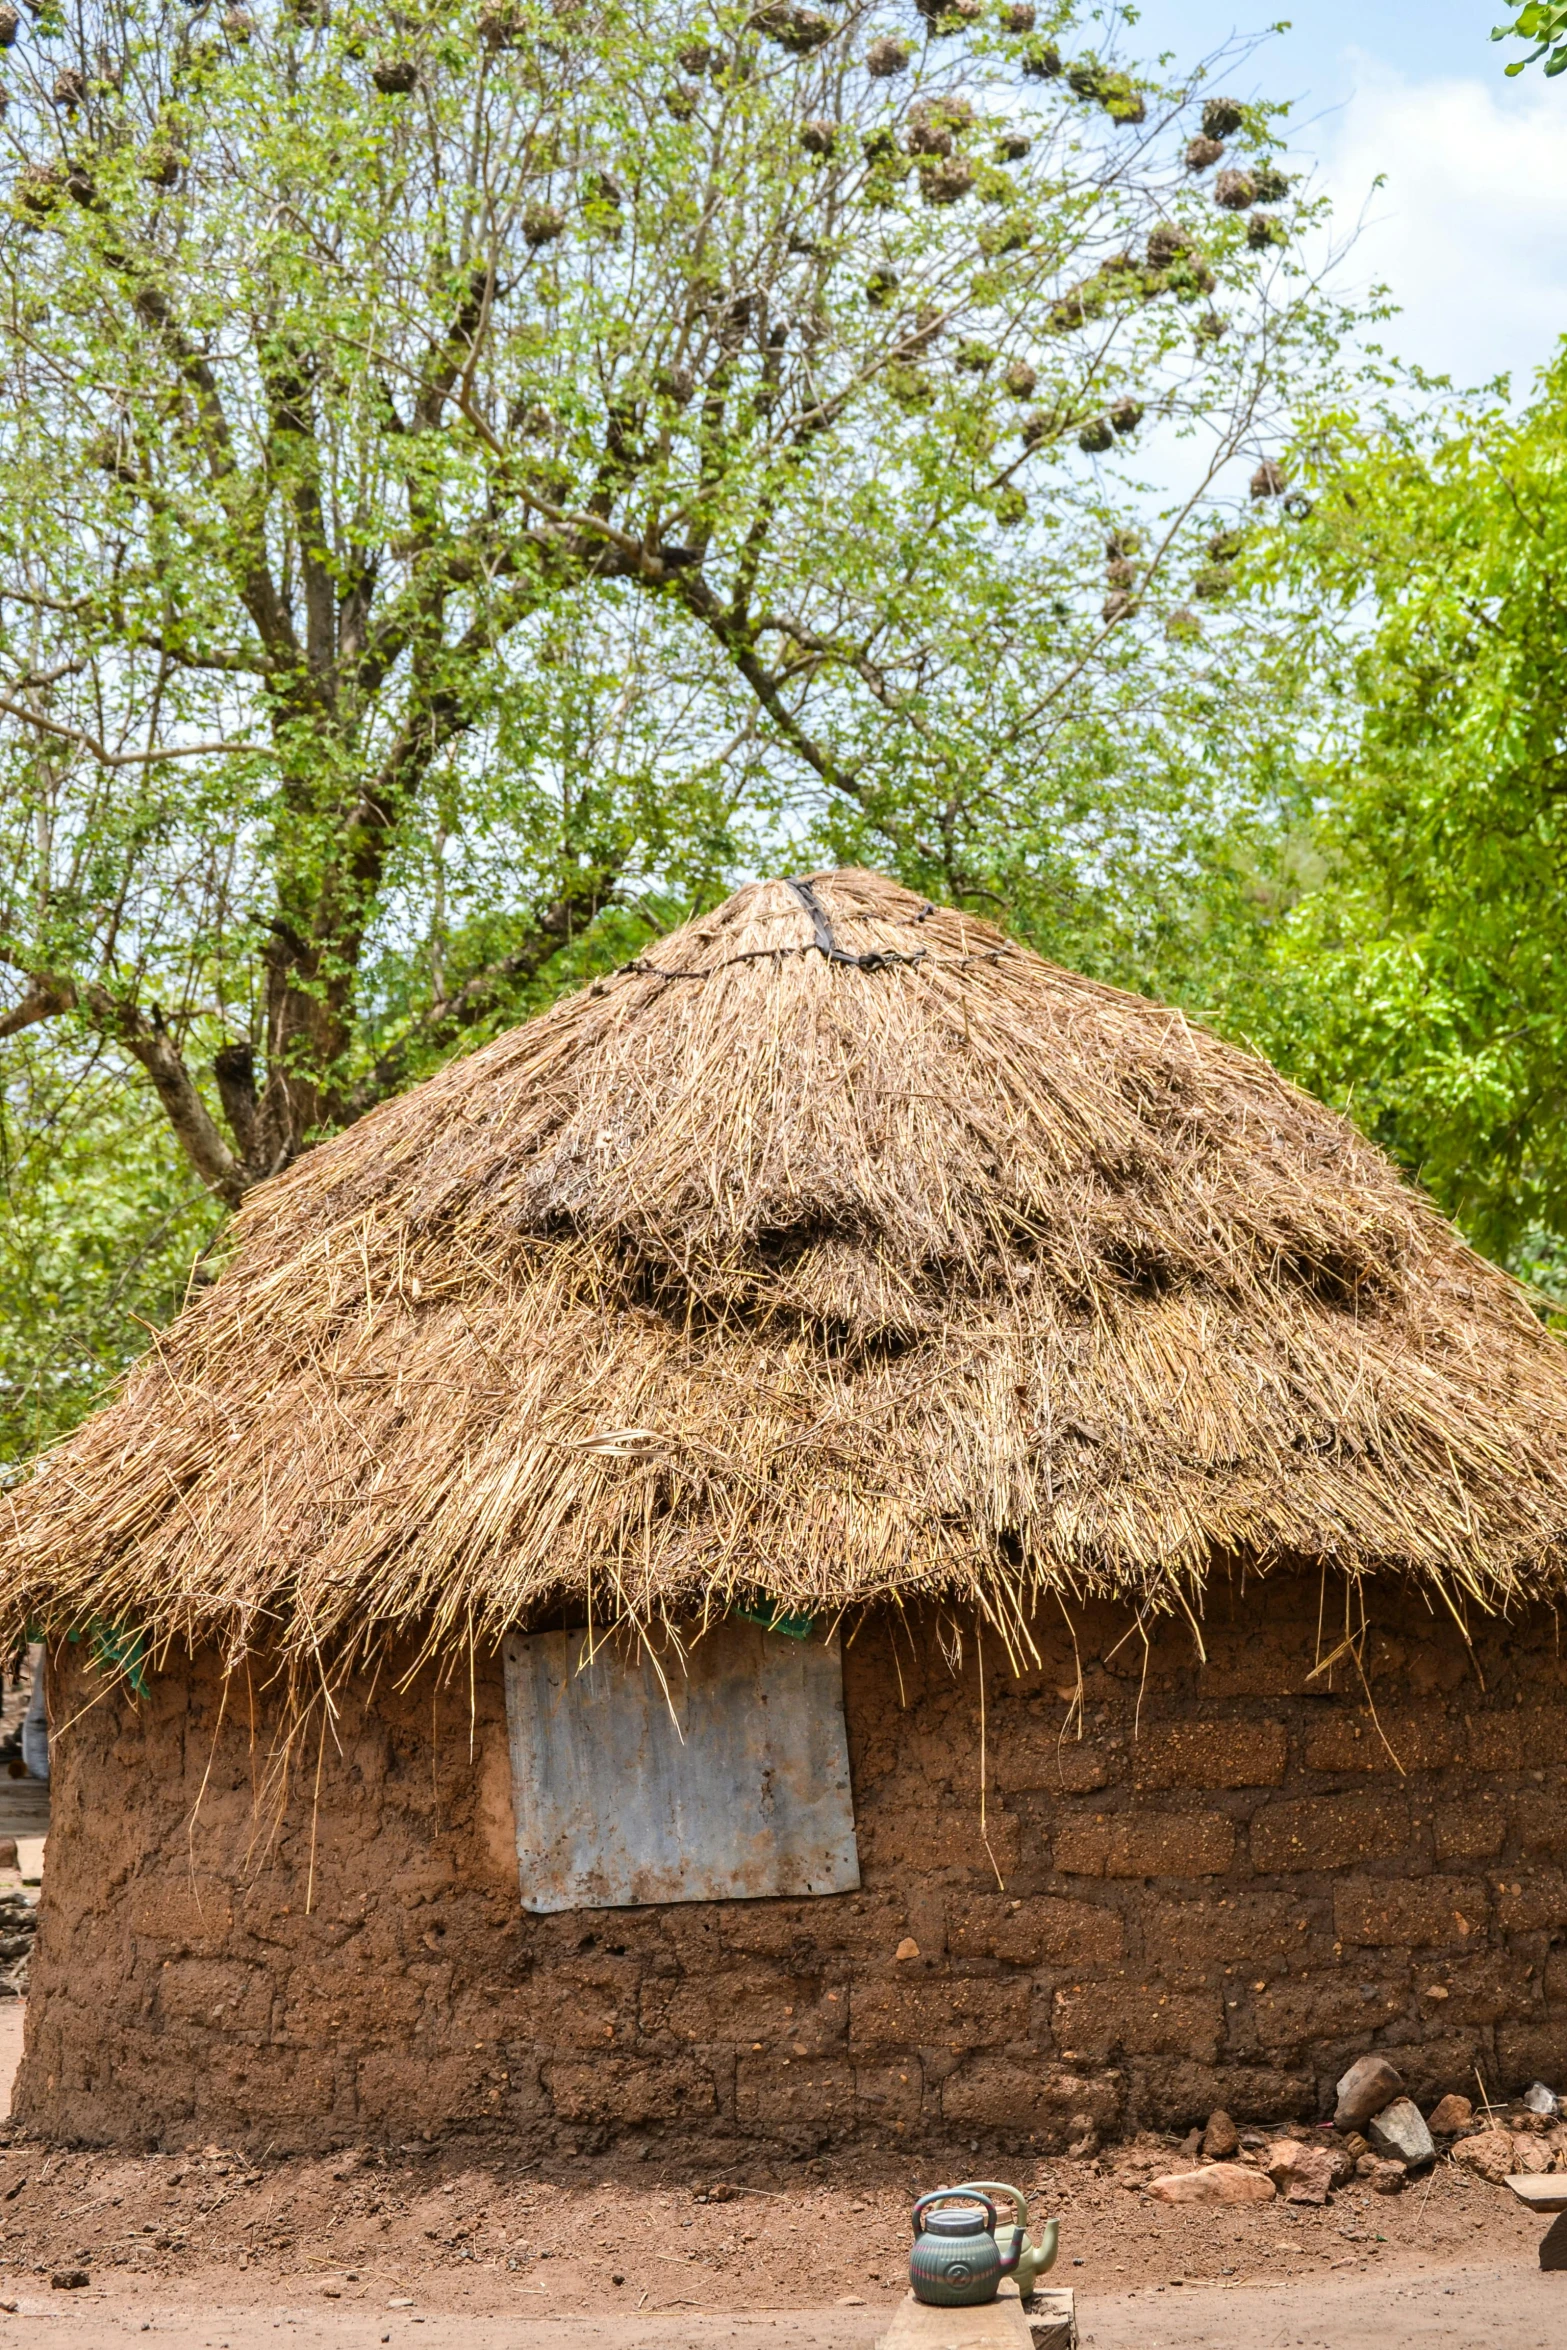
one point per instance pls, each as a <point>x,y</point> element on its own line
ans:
<point>751,1271</point>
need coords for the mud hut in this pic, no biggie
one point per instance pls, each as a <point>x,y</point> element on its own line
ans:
<point>1097,1531</point>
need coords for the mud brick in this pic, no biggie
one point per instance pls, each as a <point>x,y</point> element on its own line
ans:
<point>891,2091</point>
<point>1532,2052</point>
<point>630,2089</point>
<point>216,1993</point>
<point>1409,1913</point>
<point>1258,1660</point>
<point>1542,1823</point>
<point>1246,1926</point>
<point>1212,1754</point>
<point>940,1836</point>
<point>1032,2098</point>
<point>1095,2021</point>
<point>1472,1829</point>
<point>746,2008</point>
<point>1028,1932</point>
<point>1293,2018</point>
<point>1485,1987</point>
<point>807,1932</point>
<point>1328,1832</point>
<point>939,2011</point>
<point>182,1913</point>
<point>1532,1902</point>
<point>1147,1844</point>
<point>572,2007</point>
<point>1032,1754</point>
<point>426,2086</point>
<point>1173,2093</point>
<point>781,2090</point>
<point>1526,1738</point>
<point>1423,1739</point>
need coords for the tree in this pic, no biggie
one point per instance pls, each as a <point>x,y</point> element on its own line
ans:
<point>1419,980</point>
<point>479,478</point>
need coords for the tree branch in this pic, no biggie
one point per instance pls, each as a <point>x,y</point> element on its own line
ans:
<point>446,1019</point>
<point>107,758</point>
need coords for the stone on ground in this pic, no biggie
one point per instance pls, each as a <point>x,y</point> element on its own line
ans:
<point>1400,2129</point>
<point>1381,2174</point>
<point>1369,2084</point>
<point>1451,2116</point>
<point>1490,2152</point>
<point>1218,2182</point>
<point>1221,2138</point>
<point>1302,2173</point>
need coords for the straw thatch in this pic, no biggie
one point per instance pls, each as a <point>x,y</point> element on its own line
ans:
<point>832,1255</point>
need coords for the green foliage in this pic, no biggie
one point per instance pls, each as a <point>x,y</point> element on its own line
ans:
<point>1544,22</point>
<point>101,1228</point>
<point>1420,981</point>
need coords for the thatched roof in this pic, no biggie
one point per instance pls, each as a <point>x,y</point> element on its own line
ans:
<point>828,1259</point>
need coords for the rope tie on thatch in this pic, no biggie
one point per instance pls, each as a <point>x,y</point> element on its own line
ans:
<point>824,943</point>
<point>828,945</point>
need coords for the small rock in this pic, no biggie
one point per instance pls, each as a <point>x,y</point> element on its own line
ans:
<point>907,1948</point>
<point>1382,2176</point>
<point>1400,2129</point>
<point>1531,2155</point>
<point>1369,2084</point>
<point>1539,2099</point>
<point>1450,2116</point>
<point>69,2280</point>
<point>1191,2145</point>
<point>1355,2145</point>
<point>1220,2139</point>
<point>1490,2152</point>
<point>1219,2182</point>
<point>1302,2174</point>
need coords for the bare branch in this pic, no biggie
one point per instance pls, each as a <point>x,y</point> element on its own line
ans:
<point>107,758</point>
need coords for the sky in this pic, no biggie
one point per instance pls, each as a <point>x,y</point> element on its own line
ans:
<point>1470,229</point>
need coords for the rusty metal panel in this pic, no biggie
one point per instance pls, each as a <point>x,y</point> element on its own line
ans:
<point>725,1778</point>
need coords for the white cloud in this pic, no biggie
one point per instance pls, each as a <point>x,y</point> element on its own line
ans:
<point>1470,230</point>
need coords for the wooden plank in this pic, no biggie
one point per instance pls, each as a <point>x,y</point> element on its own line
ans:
<point>1541,2194</point>
<point>994,2325</point>
<point>639,1779</point>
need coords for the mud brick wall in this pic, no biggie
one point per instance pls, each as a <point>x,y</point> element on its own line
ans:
<point>1218,1893</point>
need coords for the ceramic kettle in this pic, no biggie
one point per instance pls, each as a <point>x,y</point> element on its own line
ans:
<point>955,2261</point>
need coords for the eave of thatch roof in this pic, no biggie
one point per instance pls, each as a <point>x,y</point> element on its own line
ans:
<point>751,1270</point>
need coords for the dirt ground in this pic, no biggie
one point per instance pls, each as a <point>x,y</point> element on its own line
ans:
<point>210,2250</point>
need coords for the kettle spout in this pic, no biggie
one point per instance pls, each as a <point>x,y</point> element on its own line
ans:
<point>1042,2255</point>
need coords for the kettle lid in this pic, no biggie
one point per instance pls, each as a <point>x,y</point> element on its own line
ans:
<point>955,2223</point>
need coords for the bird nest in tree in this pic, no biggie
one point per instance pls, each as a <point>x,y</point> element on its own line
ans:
<point>836,1247</point>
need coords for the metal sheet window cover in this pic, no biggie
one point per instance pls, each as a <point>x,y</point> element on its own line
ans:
<point>727,1780</point>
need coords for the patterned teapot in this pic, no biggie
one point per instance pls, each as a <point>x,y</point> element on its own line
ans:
<point>955,2261</point>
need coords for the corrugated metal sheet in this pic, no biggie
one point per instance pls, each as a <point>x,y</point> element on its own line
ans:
<point>730,1783</point>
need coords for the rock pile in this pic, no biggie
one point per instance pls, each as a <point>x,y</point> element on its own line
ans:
<point>1377,2138</point>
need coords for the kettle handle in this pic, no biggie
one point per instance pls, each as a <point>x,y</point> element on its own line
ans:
<point>989,2188</point>
<point>953,2195</point>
